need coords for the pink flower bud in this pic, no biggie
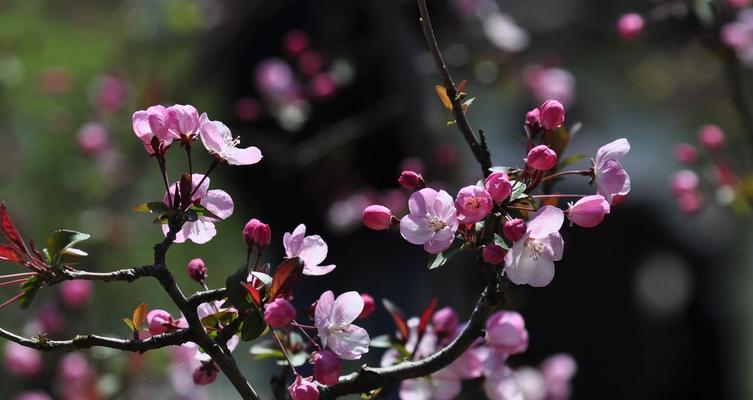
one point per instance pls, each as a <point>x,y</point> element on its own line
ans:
<point>498,186</point>
<point>686,153</point>
<point>542,158</point>
<point>197,270</point>
<point>21,360</point>
<point>711,137</point>
<point>257,233</point>
<point>684,181</point>
<point>411,180</point>
<point>160,321</point>
<point>552,114</point>
<point>75,293</point>
<point>205,374</point>
<point>690,202</point>
<point>473,204</point>
<point>303,389</point>
<point>75,369</point>
<point>506,331</point>
<point>310,62</point>
<point>279,313</point>
<point>368,306</point>
<point>515,229</point>
<point>326,367</point>
<point>322,86</point>
<point>445,321</point>
<point>589,211</point>
<point>377,217</point>
<point>50,319</point>
<point>629,26</point>
<point>493,254</point>
<point>93,138</point>
<point>533,118</point>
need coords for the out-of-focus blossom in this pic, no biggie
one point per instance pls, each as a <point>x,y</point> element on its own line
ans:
<point>550,83</point>
<point>541,158</point>
<point>377,217</point>
<point>589,211</point>
<point>369,306</point>
<point>217,201</point>
<point>22,361</point>
<point>445,321</point>
<point>279,313</point>
<point>76,293</point>
<point>322,86</point>
<point>473,204</point>
<point>334,318</point>
<point>684,181</point>
<point>326,367</point>
<point>55,80</point>
<point>50,319</point>
<point>629,26</point>
<point>506,331</point>
<point>205,374</point>
<point>531,259</point>
<point>411,180</point>
<point>111,92</point>
<point>611,178</point>
<point>533,118</point>
<point>310,62</point>
<point>295,42</point>
<point>504,33</point>
<point>499,186</point>
<point>690,202</point>
<point>432,221</point>
<point>739,35</point>
<point>558,370</point>
<point>218,141</point>
<point>738,4</point>
<point>33,395</point>
<point>275,78</point>
<point>197,270</point>
<point>711,137</point>
<point>247,109</point>
<point>312,250</point>
<point>686,153</point>
<point>93,138</point>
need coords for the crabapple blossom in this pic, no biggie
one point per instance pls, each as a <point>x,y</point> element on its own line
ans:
<point>257,233</point>
<point>411,180</point>
<point>711,137</point>
<point>610,176</point>
<point>588,211</point>
<point>326,367</point>
<point>506,332</point>
<point>369,306</point>
<point>160,321</point>
<point>432,221</point>
<point>76,293</point>
<point>686,153</point>
<point>21,360</point>
<point>303,389</point>
<point>279,313</point>
<point>111,92</point>
<point>690,202</point>
<point>684,180</point>
<point>275,78</point>
<point>551,114</point>
<point>218,141</point>
<point>499,186</point>
<point>514,229</point>
<point>493,254</point>
<point>738,3</point>
<point>377,217</point>
<point>531,259</point>
<point>473,204</point>
<point>549,83</point>
<point>197,270</point>
<point>217,201</point>
<point>629,26</point>
<point>312,250</point>
<point>184,121</point>
<point>154,122</point>
<point>541,158</point>
<point>558,370</point>
<point>738,35</point>
<point>502,384</point>
<point>445,321</point>
<point>93,138</point>
<point>334,319</point>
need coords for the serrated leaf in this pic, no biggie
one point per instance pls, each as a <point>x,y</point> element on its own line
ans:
<point>61,240</point>
<point>285,275</point>
<point>30,288</point>
<point>236,293</point>
<point>253,326</point>
<point>154,207</point>
<point>139,316</point>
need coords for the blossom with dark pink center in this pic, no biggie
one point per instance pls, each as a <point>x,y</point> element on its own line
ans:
<point>473,204</point>
<point>432,221</point>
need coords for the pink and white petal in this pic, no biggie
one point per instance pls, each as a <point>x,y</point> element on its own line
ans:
<point>200,231</point>
<point>211,136</point>
<point>201,191</point>
<point>443,205</point>
<point>415,389</point>
<point>543,273</point>
<point>612,151</point>
<point>554,246</point>
<point>348,306</point>
<point>219,203</point>
<point>141,127</point>
<point>441,241</point>
<point>293,241</point>
<point>546,221</point>
<point>518,264</point>
<point>313,250</point>
<point>421,202</point>
<point>247,156</point>
<point>323,310</point>
<point>233,342</point>
<point>611,179</point>
<point>415,229</point>
<point>501,384</point>
<point>349,345</point>
<point>318,270</point>
<point>181,235</point>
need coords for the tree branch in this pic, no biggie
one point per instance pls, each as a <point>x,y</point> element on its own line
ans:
<point>87,341</point>
<point>122,275</point>
<point>206,296</point>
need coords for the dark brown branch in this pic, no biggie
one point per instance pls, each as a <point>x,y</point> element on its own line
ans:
<point>206,296</point>
<point>122,275</point>
<point>87,341</point>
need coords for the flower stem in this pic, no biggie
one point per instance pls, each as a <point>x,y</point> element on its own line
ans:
<point>284,352</point>
<point>214,165</point>
<point>557,196</point>
<point>584,172</point>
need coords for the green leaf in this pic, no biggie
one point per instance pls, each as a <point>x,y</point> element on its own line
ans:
<point>154,207</point>
<point>30,288</point>
<point>253,326</point>
<point>236,293</point>
<point>518,191</point>
<point>441,259</point>
<point>61,240</point>
<point>499,241</point>
<point>202,211</point>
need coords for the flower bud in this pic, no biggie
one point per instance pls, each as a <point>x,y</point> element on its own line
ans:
<point>515,229</point>
<point>493,254</point>
<point>159,321</point>
<point>279,313</point>
<point>205,374</point>
<point>445,321</point>
<point>377,217</point>
<point>589,211</point>
<point>473,204</point>
<point>686,153</point>
<point>368,306</point>
<point>20,360</point>
<point>711,137</point>
<point>629,26</point>
<point>533,118</point>
<point>690,202</point>
<point>542,158</point>
<point>93,138</point>
<point>684,180</point>
<point>506,331</point>
<point>75,293</point>
<point>498,186</point>
<point>257,233</point>
<point>411,180</point>
<point>326,367</point>
<point>197,270</point>
<point>551,114</point>
<point>303,389</point>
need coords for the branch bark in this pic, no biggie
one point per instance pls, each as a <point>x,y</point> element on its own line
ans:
<point>87,341</point>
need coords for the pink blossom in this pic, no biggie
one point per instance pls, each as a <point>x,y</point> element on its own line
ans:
<point>303,389</point>
<point>154,122</point>
<point>533,118</point>
<point>197,270</point>
<point>629,26</point>
<point>550,83</point>
<point>684,180</point>
<point>738,3</point>
<point>499,187</point>
<point>50,319</point>
<point>514,229</point>
<point>93,138</point>
<point>493,254</point>
<point>322,86</point>
<point>369,306</point>
<point>326,367</point>
<point>739,35</point>
<point>76,293</point>
<point>75,369</point>
<point>611,177</point>
<point>473,204</point>
<point>541,158</point>
<point>334,319</point>
<point>551,114</point>
<point>218,141</point>
<point>711,137</point>
<point>275,78</point>
<point>430,388</point>
<point>589,211</point>
<point>445,321</point>
<point>531,384</point>
<point>411,180</point>
<point>160,321</point>
<point>312,250</point>
<point>531,259</point>
<point>686,153</point>
<point>377,217</point>
<point>690,202</point>
<point>558,370</point>
<point>432,221</point>
<point>279,313</point>
<point>184,121</point>
<point>218,202</point>
<point>506,332</point>
<point>257,233</point>
<point>111,93</point>
<point>21,360</point>
<point>295,42</point>
<point>502,384</point>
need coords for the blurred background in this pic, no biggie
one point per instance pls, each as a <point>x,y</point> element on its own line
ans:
<point>339,96</point>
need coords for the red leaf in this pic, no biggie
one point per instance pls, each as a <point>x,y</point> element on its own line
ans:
<point>8,253</point>
<point>399,317</point>
<point>253,292</point>
<point>9,230</point>
<point>461,86</point>
<point>35,251</point>
<point>426,316</point>
<point>285,275</point>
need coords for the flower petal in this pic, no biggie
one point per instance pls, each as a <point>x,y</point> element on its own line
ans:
<point>612,151</point>
<point>547,220</point>
<point>318,270</point>
<point>421,202</point>
<point>349,345</point>
<point>347,308</point>
<point>313,250</point>
<point>415,389</point>
<point>441,240</point>
<point>322,314</point>
<point>249,155</point>
<point>415,229</point>
<point>612,179</point>
<point>200,231</point>
<point>212,135</point>
<point>219,203</point>
<point>293,241</point>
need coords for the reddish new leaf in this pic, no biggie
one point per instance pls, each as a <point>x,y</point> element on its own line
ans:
<point>36,252</point>
<point>9,230</point>
<point>399,317</point>
<point>426,317</point>
<point>253,292</point>
<point>10,254</point>
<point>285,275</point>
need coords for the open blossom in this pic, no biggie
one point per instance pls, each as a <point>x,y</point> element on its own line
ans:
<point>312,250</point>
<point>531,259</point>
<point>473,203</point>
<point>184,121</point>
<point>154,122</point>
<point>334,319</point>
<point>506,332</point>
<point>219,141</point>
<point>589,211</point>
<point>432,221</point>
<point>611,178</point>
<point>218,202</point>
